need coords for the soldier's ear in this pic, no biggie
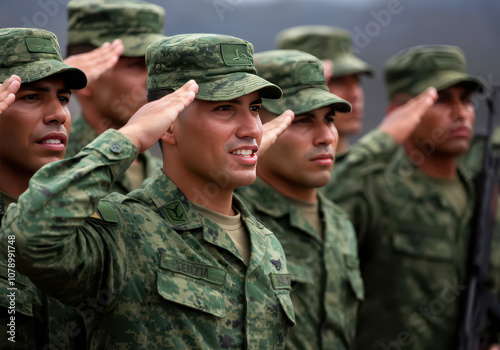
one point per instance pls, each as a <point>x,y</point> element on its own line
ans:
<point>169,137</point>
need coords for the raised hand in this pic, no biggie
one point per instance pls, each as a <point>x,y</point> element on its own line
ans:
<point>97,61</point>
<point>8,91</point>
<point>273,129</point>
<point>153,119</point>
<point>402,121</point>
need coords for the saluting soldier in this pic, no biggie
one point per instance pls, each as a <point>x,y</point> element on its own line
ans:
<point>109,101</point>
<point>316,235</point>
<point>412,205</point>
<point>343,70</point>
<point>167,266</point>
<point>34,126</point>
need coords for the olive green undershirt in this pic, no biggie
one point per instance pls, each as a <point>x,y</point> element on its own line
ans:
<point>7,199</point>
<point>311,214</point>
<point>136,174</point>
<point>234,227</point>
<point>454,192</point>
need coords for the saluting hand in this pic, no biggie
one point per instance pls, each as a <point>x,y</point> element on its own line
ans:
<point>97,61</point>
<point>273,129</point>
<point>402,121</point>
<point>8,92</point>
<point>154,119</point>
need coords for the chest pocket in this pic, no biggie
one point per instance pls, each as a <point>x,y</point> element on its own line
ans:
<point>426,243</point>
<point>299,274</point>
<point>193,285</point>
<point>24,293</point>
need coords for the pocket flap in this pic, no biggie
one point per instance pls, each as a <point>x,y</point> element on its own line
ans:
<point>423,246</point>
<point>354,275</point>
<point>287,306</point>
<point>299,273</point>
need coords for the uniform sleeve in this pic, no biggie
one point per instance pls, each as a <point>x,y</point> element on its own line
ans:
<point>352,183</point>
<point>62,251</point>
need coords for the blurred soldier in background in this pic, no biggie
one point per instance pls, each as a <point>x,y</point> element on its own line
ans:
<point>411,204</point>
<point>341,67</point>
<point>117,93</point>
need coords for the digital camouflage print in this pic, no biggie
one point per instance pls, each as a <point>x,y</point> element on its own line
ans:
<point>153,272</point>
<point>136,23</point>
<point>413,246</point>
<point>326,283</point>
<point>222,66</point>
<point>81,134</point>
<point>34,54</point>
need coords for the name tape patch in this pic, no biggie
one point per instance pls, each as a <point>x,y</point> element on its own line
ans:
<point>199,271</point>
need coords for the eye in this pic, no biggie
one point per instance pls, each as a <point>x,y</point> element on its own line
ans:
<point>330,119</point>
<point>64,99</point>
<point>302,120</point>
<point>29,97</point>
<point>467,99</point>
<point>224,108</point>
<point>255,108</point>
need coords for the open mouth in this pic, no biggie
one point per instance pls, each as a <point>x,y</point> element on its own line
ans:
<point>246,153</point>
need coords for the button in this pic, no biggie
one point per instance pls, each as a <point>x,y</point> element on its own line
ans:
<point>158,68</point>
<point>116,147</point>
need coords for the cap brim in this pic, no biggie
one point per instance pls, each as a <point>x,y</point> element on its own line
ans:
<point>234,85</point>
<point>350,64</point>
<point>307,100</point>
<point>444,80</point>
<point>33,71</point>
<point>134,45</point>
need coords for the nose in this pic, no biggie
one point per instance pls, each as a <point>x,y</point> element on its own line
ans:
<point>250,126</point>
<point>326,135</point>
<point>55,112</point>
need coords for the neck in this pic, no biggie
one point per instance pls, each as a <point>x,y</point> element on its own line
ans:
<point>342,145</point>
<point>289,189</point>
<point>441,166</point>
<point>207,194</point>
<point>14,181</point>
<point>99,122</point>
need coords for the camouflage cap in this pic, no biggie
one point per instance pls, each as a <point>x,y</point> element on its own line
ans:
<point>326,43</point>
<point>136,23</point>
<point>221,65</point>
<point>34,54</point>
<point>415,69</point>
<point>300,76</point>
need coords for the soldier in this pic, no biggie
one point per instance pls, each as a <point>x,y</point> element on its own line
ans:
<point>116,94</point>
<point>165,266</point>
<point>412,206</point>
<point>317,236</point>
<point>34,125</point>
<point>342,70</point>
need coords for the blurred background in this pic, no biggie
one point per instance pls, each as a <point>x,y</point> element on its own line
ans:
<point>380,29</point>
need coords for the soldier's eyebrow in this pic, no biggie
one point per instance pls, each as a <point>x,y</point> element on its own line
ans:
<point>307,114</point>
<point>42,88</point>
<point>257,102</point>
<point>238,102</point>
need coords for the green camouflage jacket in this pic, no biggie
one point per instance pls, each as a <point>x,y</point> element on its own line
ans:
<point>413,247</point>
<point>31,309</point>
<point>150,272</point>
<point>326,282</point>
<point>81,134</point>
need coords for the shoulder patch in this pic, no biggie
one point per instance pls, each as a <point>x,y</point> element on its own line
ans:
<point>106,213</point>
<point>175,213</point>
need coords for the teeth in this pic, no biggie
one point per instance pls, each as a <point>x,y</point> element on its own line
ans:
<point>243,152</point>
<point>52,141</point>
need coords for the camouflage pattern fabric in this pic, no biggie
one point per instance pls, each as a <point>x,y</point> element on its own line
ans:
<point>34,54</point>
<point>81,134</point>
<point>326,282</point>
<point>415,69</point>
<point>412,247</point>
<point>40,321</point>
<point>136,23</point>
<point>326,43</point>
<point>301,78</point>
<point>222,66</point>
<point>153,274</point>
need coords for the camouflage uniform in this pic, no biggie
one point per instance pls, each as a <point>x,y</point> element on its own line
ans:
<point>326,281</point>
<point>413,244</point>
<point>81,134</point>
<point>152,272</point>
<point>137,24</point>
<point>40,321</point>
